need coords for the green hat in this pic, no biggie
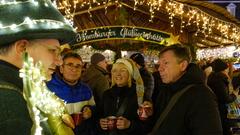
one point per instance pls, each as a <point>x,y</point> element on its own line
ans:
<point>32,19</point>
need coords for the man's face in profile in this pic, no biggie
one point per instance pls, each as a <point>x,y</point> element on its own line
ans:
<point>170,68</point>
<point>48,52</point>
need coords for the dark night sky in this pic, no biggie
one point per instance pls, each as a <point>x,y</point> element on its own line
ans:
<point>225,4</point>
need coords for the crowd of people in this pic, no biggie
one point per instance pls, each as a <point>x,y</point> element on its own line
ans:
<point>180,98</point>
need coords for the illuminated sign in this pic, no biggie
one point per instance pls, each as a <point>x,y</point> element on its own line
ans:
<point>121,32</point>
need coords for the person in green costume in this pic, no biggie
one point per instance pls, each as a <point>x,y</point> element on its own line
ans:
<point>35,27</point>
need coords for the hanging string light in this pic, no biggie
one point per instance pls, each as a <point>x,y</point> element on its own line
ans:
<point>30,22</point>
<point>174,8</point>
<point>223,52</point>
<point>189,15</point>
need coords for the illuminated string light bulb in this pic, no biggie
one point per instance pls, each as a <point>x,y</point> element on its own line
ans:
<point>204,22</point>
<point>54,2</point>
<point>46,5</point>
<point>28,21</point>
<point>223,53</point>
<point>13,26</point>
<point>35,2</point>
<point>37,95</point>
<point>13,2</point>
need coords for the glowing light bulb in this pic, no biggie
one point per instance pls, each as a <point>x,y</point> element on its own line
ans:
<point>13,26</point>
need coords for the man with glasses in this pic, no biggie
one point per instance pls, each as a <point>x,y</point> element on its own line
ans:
<point>36,28</point>
<point>79,100</point>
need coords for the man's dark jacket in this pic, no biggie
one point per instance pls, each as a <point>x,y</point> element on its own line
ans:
<point>219,83</point>
<point>195,113</point>
<point>14,115</point>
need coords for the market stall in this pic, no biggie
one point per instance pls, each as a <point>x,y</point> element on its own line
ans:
<point>199,24</point>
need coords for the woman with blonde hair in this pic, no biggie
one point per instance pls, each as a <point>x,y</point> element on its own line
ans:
<point>121,102</point>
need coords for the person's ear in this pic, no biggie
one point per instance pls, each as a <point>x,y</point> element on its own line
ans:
<point>184,65</point>
<point>20,46</point>
<point>61,69</point>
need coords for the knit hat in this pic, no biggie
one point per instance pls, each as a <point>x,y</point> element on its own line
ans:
<point>134,73</point>
<point>219,65</point>
<point>32,19</point>
<point>96,58</point>
<point>128,65</point>
<point>138,58</point>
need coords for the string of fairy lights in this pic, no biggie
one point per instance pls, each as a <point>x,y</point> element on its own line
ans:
<point>189,15</point>
<point>30,22</point>
<point>37,95</point>
<point>14,2</point>
<point>213,53</point>
<point>205,22</point>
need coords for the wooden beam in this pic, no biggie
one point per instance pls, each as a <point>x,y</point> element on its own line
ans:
<point>94,8</point>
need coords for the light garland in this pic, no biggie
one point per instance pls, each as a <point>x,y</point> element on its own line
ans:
<point>30,22</point>
<point>223,52</point>
<point>87,51</point>
<point>37,95</point>
<point>14,2</point>
<point>204,22</point>
<point>188,14</point>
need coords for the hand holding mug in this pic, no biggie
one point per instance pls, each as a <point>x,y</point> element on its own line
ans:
<point>67,119</point>
<point>77,118</point>
<point>149,108</point>
<point>112,122</point>
<point>87,113</point>
<point>104,123</point>
<point>123,123</point>
<point>145,110</point>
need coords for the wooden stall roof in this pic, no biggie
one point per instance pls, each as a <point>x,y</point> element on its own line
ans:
<point>212,9</point>
<point>111,14</point>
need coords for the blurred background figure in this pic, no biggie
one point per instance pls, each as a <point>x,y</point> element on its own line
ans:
<point>147,77</point>
<point>96,76</point>
<point>219,81</point>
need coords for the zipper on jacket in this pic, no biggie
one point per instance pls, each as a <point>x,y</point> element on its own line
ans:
<point>117,106</point>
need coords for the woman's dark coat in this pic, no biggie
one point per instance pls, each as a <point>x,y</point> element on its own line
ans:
<point>112,100</point>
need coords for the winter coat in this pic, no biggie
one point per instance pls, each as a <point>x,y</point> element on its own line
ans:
<point>148,83</point>
<point>158,84</point>
<point>195,113</point>
<point>14,115</point>
<point>76,98</point>
<point>112,100</point>
<point>219,83</point>
<point>96,78</point>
